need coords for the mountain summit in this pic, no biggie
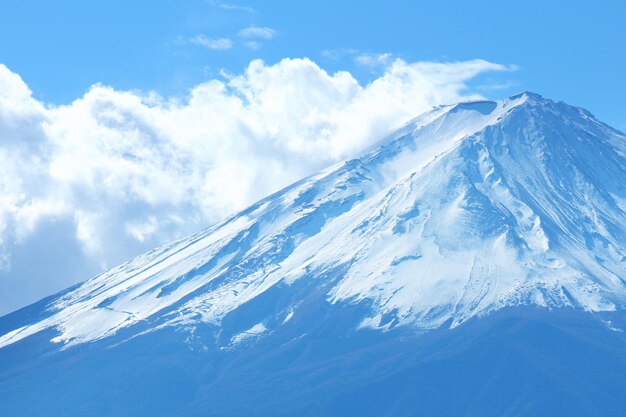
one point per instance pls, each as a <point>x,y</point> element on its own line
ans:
<point>474,208</point>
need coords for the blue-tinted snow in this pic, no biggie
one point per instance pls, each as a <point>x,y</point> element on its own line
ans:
<point>364,290</point>
<point>468,209</point>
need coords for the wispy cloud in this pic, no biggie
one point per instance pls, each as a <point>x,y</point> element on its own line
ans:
<point>373,60</point>
<point>253,44</point>
<point>209,43</point>
<point>338,53</point>
<point>231,6</point>
<point>257,32</point>
<point>364,59</point>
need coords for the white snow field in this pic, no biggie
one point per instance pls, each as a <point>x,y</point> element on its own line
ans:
<point>463,211</point>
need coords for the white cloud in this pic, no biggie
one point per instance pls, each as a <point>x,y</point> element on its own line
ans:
<point>217,44</point>
<point>143,230</point>
<point>253,44</point>
<point>373,60</point>
<point>338,53</point>
<point>257,32</point>
<point>231,6</point>
<point>116,172</point>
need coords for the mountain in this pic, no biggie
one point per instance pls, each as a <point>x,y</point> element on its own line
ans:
<point>471,263</point>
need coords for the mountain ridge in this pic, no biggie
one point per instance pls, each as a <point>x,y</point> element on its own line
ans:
<point>463,196</point>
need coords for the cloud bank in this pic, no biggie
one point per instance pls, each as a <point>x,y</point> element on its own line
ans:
<point>86,185</point>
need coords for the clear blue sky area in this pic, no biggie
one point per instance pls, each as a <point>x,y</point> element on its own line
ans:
<point>568,50</point>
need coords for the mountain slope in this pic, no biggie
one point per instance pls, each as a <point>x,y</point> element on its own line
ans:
<point>474,208</point>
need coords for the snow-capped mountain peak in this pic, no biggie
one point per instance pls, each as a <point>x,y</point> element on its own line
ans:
<point>466,209</point>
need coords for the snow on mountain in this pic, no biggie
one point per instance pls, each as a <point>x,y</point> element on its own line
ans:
<point>467,209</point>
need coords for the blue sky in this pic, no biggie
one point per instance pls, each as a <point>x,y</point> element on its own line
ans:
<point>126,124</point>
<point>572,51</point>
